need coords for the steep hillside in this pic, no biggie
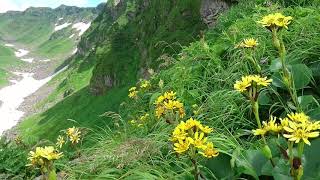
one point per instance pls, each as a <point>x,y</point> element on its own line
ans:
<point>250,73</point>
<point>116,43</point>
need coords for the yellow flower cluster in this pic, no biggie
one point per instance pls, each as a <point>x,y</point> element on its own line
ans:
<point>248,43</point>
<point>298,126</point>
<point>270,126</point>
<point>251,81</point>
<point>145,84</point>
<point>192,134</point>
<point>275,21</point>
<point>41,156</point>
<point>133,93</point>
<point>74,135</point>
<point>141,121</point>
<point>295,127</point>
<point>168,103</point>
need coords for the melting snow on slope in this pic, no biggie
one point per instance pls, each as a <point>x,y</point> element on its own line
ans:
<point>9,45</point>
<point>21,53</point>
<point>62,26</point>
<point>75,51</point>
<point>45,60</point>
<point>29,60</point>
<point>13,96</point>
<point>82,27</point>
<point>71,36</point>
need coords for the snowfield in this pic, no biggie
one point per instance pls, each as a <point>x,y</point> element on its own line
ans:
<point>21,52</point>
<point>62,26</point>
<point>13,96</point>
<point>29,60</point>
<point>82,27</point>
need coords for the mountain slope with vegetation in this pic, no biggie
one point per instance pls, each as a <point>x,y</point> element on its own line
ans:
<point>131,138</point>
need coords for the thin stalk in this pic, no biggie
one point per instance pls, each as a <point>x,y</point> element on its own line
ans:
<point>255,108</point>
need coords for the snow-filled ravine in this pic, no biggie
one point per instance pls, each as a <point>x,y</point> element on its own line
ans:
<point>12,97</point>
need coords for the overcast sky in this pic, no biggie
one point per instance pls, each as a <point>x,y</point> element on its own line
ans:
<point>20,5</point>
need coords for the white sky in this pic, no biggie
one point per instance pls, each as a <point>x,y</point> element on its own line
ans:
<point>20,5</point>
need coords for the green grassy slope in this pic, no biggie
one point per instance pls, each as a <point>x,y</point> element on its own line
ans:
<point>77,79</point>
<point>7,60</point>
<point>204,74</point>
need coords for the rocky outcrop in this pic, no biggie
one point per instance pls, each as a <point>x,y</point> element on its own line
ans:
<point>210,10</point>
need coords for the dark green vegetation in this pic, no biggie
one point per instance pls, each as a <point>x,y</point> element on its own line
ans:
<point>201,73</point>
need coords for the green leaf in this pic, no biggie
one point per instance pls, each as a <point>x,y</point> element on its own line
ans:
<point>220,166</point>
<point>301,75</point>
<point>312,161</point>
<point>308,102</point>
<point>281,171</point>
<point>315,114</point>
<point>275,65</point>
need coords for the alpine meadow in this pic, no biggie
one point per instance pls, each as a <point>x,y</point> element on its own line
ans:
<point>161,89</point>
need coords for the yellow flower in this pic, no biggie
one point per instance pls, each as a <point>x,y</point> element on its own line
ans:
<point>159,100</point>
<point>133,94</point>
<point>199,140</point>
<point>170,95</point>
<point>60,141</point>
<point>145,84</point>
<point>178,134</point>
<point>297,132</point>
<point>298,117</point>
<point>70,131</point>
<point>242,86</point>
<point>210,151</point>
<point>262,81</point>
<point>248,43</point>
<point>251,80</point>
<point>205,129</point>
<point>182,145</point>
<point>74,135</point>
<point>272,125</point>
<point>190,123</point>
<point>276,20</point>
<point>41,154</point>
<point>160,111</point>
<point>132,89</point>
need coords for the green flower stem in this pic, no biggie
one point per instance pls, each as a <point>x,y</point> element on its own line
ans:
<point>253,61</point>
<point>300,149</point>
<point>286,75</point>
<point>194,163</point>
<point>255,108</point>
<point>290,147</point>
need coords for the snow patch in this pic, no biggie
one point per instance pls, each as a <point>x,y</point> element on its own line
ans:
<point>13,96</point>
<point>71,36</point>
<point>62,26</point>
<point>45,60</point>
<point>75,51</point>
<point>29,60</point>
<point>21,53</point>
<point>60,19</point>
<point>82,27</point>
<point>9,45</point>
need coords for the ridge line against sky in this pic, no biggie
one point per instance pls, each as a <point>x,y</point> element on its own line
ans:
<point>21,5</point>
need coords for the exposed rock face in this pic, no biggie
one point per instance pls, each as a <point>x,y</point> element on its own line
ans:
<point>210,10</point>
